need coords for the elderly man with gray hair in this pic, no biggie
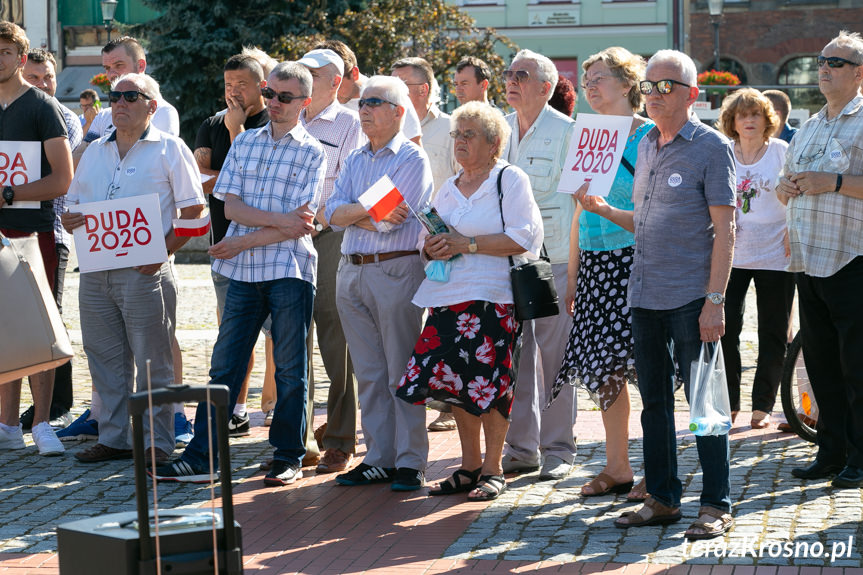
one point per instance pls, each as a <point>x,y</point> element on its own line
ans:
<point>127,313</point>
<point>684,196</point>
<point>538,145</point>
<point>271,179</point>
<point>379,273</point>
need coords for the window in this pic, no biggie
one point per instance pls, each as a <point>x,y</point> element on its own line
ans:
<point>802,72</point>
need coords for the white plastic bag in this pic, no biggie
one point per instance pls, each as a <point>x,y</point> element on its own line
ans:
<point>709,405</point>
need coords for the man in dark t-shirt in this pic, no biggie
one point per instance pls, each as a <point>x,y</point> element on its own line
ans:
<point>26,207</point>
<point>244,78</point>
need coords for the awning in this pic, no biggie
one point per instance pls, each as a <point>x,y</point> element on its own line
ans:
<point>72,81</point>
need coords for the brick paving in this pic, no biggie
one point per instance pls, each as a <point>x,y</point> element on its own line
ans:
<point>317,527</point>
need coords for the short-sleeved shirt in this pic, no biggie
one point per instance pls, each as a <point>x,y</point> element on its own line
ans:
<point>825,229</point>
<point>439,146</point>
<point>165,118</point>
<point>74,134</point>
<point>338,130</point>
<point>214,135</point>
<point>675,186</point>
<point>158,163</point>
<point>33,117</point>
<point>407,165</point>
<point>274,176</point>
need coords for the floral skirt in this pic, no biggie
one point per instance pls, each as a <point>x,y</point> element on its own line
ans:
<point>466,356</point>
<point>599,354</point>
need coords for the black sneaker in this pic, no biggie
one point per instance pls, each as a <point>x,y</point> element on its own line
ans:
<point>282,473</point>
<point>364,474</point>
<point>239,425</point>
<point>407,479</point>
<point>27,418</point>
<point>181,472</point>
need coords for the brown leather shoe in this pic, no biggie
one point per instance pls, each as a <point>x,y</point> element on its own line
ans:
<point>334,460</point>
<point>161,456</point>
<point>100,452</point>
<point>319,435</point>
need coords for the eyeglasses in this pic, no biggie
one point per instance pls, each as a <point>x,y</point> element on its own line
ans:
<point>374,102</point>
<point>662,86</point>
<point>835,62</point>
<point>804,160</point>
<point>129,95</point>
<point>467,135</point>
<point>589,83</point>
<point>518,76</point>
<point>284,97</point>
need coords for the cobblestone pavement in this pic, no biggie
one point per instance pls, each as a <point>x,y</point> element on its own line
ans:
<point>532,521</point>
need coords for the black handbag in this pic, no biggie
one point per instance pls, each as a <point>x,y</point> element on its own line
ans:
<point>533,288</point>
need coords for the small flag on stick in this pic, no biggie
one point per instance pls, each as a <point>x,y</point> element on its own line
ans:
<point>381,199</point>
<point>192,228</point>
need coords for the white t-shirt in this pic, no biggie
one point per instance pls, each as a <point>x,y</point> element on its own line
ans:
<point>760,217</point>
<point>480,276</point>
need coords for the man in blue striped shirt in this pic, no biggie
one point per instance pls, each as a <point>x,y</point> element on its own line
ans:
<point>379,274</point>
<point>271,180</point>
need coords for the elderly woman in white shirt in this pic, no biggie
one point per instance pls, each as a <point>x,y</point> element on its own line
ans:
<point>467,354</point>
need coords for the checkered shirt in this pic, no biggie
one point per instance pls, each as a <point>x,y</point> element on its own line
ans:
<point>74,134</point>
<point>338,129</point>
<point>274,176</point>
<point>825,229</point>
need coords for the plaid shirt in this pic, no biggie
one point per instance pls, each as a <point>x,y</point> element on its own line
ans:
<point>274,176</point>
<point>825,229</point>
<point>338,129</point>
<point>74,135</point>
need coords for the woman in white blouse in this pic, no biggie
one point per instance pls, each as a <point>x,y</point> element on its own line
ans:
<point>467,354</point>
<point>748,118</point>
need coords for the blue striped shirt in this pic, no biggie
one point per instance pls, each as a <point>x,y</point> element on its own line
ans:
<point>273,176</point>
<point>408,167</point>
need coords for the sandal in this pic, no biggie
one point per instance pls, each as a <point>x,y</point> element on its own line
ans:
<point>638,493</point>
<point>489,487</point>
<point>455,484</point>
<point>603,484</point>
<point>760,420</point>
<point>651,513</point>
<point>711,523</point>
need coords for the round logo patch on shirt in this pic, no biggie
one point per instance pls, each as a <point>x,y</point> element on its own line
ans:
<point>675,180</point>
<point>131,171</point>
<point>835,154</point>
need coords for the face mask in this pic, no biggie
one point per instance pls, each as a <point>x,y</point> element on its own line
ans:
<point>438,270</point>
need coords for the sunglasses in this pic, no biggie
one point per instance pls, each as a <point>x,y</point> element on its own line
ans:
<point>467,134</point>
<point>835,62</point>
<point>519,76</point>
<point>129,95</point>
<point>662,86</point>
<point>284,97</point>
<point>374,102</point>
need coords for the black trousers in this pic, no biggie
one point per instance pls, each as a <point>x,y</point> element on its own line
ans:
<point>774,292</point>
<point>61,400</point>
<point>831,323</point>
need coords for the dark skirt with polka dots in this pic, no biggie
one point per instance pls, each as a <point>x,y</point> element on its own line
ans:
<point>599,354</point>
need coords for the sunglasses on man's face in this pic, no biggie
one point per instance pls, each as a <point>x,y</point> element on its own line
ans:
<point>284,97</point>
<point>374,102</point>
<point>835,62</point>
<point>519,76</point>
<point>129,95</point>
<point>662,86</point>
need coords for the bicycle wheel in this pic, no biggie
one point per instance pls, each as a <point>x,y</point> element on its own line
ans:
<point>798,403</point>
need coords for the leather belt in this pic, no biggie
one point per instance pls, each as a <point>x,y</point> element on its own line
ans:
<point>362,259</point>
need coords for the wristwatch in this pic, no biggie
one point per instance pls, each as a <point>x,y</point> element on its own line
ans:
<point>838,182</point>
<point>716,298</point>
<point>471,247</point>
<point>8,195</point>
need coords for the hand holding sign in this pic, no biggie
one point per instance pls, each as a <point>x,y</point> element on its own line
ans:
<point>595,151</point>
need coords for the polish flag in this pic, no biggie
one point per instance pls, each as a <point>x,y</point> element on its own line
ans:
<point>381,199</point>
<point>192,228</point>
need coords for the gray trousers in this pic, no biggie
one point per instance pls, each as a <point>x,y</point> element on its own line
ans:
<point>126,320</point>
<point>342,399</point>
<point>382,326</point>
<point>535,430</point>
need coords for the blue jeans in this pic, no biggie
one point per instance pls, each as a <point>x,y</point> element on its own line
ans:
<point>656,334</point>
<point>247,305</point>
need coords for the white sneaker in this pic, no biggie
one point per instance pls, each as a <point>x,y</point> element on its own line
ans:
<point>12,439</point>
<point>554,468</point>
<point>46,440</point>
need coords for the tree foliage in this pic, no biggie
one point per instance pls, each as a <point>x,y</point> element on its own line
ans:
<point>190,41</point>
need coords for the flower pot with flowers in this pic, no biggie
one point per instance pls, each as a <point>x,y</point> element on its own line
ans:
<point>715,78</point>
<point>101,81</point>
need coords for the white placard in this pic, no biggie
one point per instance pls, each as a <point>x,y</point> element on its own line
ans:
<point>20,163</point>
<point>595,150</point>
<point>120,234</point>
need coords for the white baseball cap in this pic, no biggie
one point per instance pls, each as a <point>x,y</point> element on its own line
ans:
<point>321,57</point>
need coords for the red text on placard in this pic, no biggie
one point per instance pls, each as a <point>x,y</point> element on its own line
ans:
<point>114,229</point>
<point>13,170</point>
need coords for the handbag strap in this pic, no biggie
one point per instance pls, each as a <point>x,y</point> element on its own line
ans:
<point>542,254</point>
